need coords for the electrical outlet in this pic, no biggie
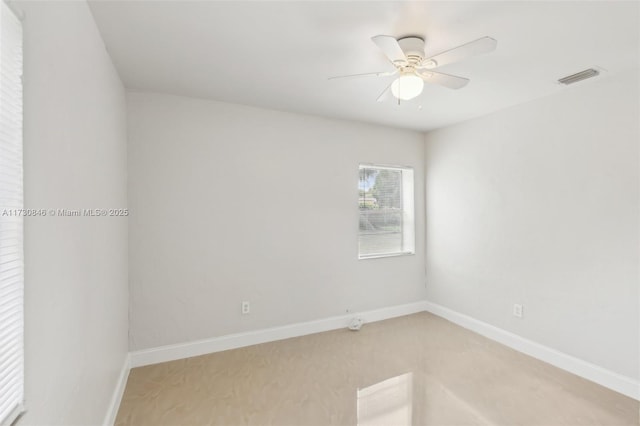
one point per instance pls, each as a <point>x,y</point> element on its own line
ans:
<point>517,310</point>
<point>246,307</point>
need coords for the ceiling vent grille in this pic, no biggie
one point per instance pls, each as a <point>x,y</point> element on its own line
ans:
<point>579,76</point>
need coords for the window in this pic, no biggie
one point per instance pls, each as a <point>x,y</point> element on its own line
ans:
<point>386,211</point>
<point>11,217</point>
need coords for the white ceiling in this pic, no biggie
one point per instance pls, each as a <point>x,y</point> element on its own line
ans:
<point>279,54</point>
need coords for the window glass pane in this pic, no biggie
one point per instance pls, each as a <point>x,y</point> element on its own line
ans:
<point>381,193</point>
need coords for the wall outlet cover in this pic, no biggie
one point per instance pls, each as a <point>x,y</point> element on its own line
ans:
<point>517,310</point>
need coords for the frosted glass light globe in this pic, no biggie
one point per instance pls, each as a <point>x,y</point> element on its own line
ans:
<point>407,87</point>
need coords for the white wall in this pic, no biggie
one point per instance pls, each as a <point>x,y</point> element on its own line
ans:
<point>233,203</point>
<point>538,204</point>
<point>76,292</point>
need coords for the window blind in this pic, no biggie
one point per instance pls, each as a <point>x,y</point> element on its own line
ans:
<point>386,211</point>
<point>11,205</point>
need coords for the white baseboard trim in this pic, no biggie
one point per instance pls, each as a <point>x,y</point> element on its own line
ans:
<point>232,341</point>
<point>617,382</point>
<point>609,379</point>
<point>121,384</point>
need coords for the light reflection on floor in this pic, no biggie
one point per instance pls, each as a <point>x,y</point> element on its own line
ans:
<point>389,402</point>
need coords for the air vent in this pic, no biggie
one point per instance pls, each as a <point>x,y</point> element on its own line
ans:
<point>582,75</point>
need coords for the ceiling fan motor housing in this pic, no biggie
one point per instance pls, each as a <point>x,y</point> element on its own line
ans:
<point>413,48</point>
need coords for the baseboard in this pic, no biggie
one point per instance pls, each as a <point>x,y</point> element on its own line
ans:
<point>232,341</point>
<point>121,384</point>
<point>617,382</point>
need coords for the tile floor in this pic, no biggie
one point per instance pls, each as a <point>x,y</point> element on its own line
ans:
<point>413,370</point>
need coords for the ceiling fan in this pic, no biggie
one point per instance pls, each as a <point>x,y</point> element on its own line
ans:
<point>413,69</point>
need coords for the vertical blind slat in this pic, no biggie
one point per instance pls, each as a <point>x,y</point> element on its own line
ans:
<point>11,235</point>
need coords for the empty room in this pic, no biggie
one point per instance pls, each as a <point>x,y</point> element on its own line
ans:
<point>319,213</point>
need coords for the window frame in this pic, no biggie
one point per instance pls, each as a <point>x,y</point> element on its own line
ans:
<point>407,215</point>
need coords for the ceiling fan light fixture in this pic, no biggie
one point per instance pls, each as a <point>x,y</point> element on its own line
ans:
<point>407,87</point>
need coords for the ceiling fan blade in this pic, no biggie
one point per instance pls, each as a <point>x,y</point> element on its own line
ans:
<point>391,49</point>
<point>368,74</point>
<point>386,93</point>
<point>476,47</point>
<point>446,80</point>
